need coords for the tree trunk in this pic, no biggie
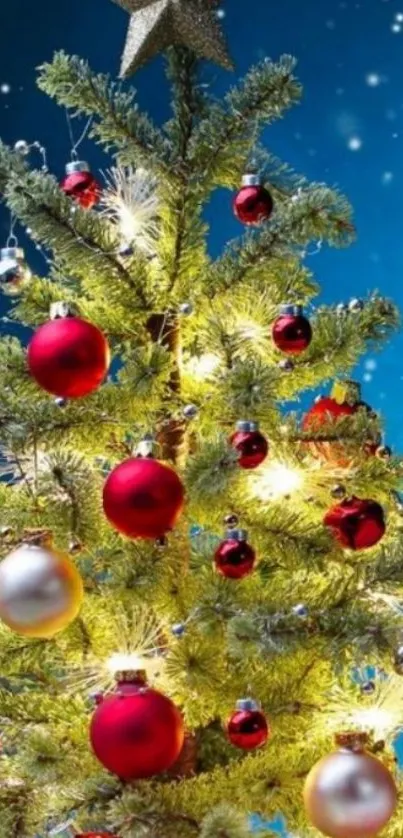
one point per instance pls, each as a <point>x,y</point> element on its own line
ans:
<point>164,329</point>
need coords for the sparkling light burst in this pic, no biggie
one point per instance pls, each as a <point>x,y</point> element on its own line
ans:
<point>275,480</point>
<point>136,643</point>
<point>380,715</point>
<point>130,200</point>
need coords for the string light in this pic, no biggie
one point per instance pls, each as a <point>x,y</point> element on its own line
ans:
<point>275,480</point>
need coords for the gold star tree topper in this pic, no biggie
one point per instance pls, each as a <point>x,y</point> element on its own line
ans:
<point>158,24</point>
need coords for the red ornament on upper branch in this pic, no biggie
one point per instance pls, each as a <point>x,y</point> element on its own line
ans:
<point>137,732</point>
<point>68,357</point>
<point>250,444</point>
<point>291,332</point>
<point>253,204</point>
<point>143,498</point>
<point>79,183</point>
<point>355,523</point>
<point>234,557</point>
<point>247,727</point>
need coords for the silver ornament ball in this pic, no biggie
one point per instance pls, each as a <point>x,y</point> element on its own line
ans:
<point>286,365</point>
<point>190,411</point>
<point>178,629</point>
<point>300,610</point>
<point>350,794</point>
<point>338,491</point>
<point>21,147</point>
<point>341,309</point>
<point>355,305</point>
<point>40,591</point>
<point>60,401</point>
<point>186,309</point>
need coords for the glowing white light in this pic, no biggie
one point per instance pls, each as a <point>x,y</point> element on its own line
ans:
<point>275,480</point>
<point>203,366</point>
<point>130,200</point>
<point>396,28</point>
<point>399,17</point>
<point>120,662</point>
<point>367,377</point>
<point>387,177</point>
<point>370,364</point>
<point>5,88</point>
<point>354,143</point>
<point>373,79</point>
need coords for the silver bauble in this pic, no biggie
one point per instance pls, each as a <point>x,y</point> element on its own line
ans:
<point>40,590</point>
<point>350,794</point>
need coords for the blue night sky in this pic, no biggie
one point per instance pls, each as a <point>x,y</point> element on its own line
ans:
<point>348,130</point>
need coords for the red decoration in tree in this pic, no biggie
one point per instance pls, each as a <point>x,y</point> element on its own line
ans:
<point>80,184</point>
<point>136,732</point>
<point>253,203</point>
<point>291,332</point>
<point>68,357</point>
<point>143,498</point>
<point>356,523</point>
<point>251,445</point>
<point>247,728</point>
<point>95,835</point>
<point>234,557</point>
<point>345,400</point>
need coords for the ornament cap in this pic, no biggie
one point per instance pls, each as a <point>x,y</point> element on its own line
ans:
<point>236,534</point>
<point>131,676</point>
<point>76,166</point>
<point>352,740</point>
<point>251,179</point>
<point>346,392</point>
<point>11,253</point>
<point>292,309</point>
<point>37,537</point>
<point>247,704</point>
<point>61,309</point>
<point>247,426</point>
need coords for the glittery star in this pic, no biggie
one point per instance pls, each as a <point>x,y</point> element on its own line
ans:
<point>157,24</point>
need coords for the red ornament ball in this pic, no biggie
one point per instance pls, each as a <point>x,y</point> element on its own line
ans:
<point>247,727</point>
<point>136,732</point>
<point>68,357</point>
<point>250,444</point>
<point>80,184</point>
<point>356,523</point>
<point>291,332</point>
<point>143,498</point>
<point>253,203</point>
<point>234,557</point>
<point>95,835</point>
<point>345,400</point>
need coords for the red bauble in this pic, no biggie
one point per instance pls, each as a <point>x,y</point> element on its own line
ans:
<point>143,498</point>
<point>80,184</point>
<point>250,444</point>
<point>291,332</point>
<point>68,357</point>
<point>234,557</point>
<point>345,400</point>
<point>253,203</point>
<point>136,732</point>
<point>356,523</point>
<point>247,728</point>
<point>95,835</point>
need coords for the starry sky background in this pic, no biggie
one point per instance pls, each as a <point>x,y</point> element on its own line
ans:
<point>348,130</point>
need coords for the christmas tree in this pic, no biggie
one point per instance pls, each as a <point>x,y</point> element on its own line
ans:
<point>200,587</point>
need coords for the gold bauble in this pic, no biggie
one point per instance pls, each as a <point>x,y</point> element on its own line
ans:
<point>40,590</point>
<point>350,794</point>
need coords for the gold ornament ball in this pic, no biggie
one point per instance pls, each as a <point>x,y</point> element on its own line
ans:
<point>350,794</point>
<point>40,591</point>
